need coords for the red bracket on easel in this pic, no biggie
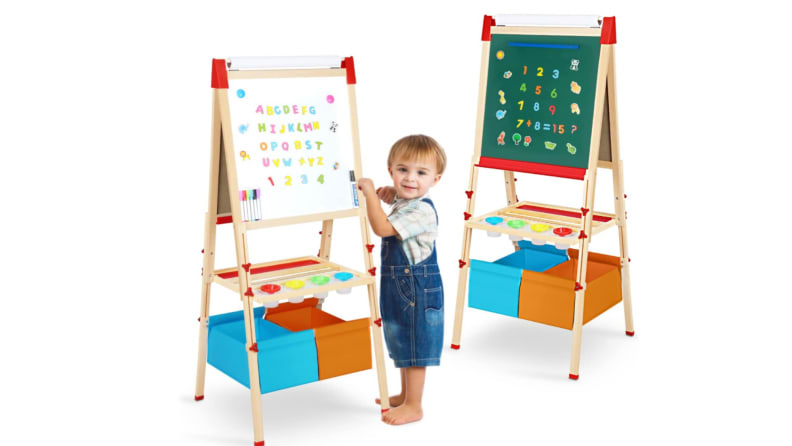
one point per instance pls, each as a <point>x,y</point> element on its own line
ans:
<point>608,35</point>
<point>378,322</point>
<point>577,286</point>
<point>373,271</point>
<point>219,74</point>
<point>486,34</point>
<point>253,348</point>
<point>469,194</point>
<point>584,211</point>
<point>462,263</point>
<point>467,216</point>
<point>349,64</point>
<point>582,235</point>
<point>246,266</point>
<point>369,247</point>
<point>249,292</point>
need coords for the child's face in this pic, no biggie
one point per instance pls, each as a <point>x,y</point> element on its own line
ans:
<point>412,179</point>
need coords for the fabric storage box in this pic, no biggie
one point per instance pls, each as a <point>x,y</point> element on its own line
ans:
<point>285,359</point>
<point>549,297</point>
<point>495,286</point>
<point>342,346</point>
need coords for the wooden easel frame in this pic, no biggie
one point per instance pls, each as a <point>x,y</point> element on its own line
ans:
<point>604,106</point>
<point>222,147</point>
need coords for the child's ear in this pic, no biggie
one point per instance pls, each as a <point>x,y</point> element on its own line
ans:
<point>437,178</point>
<point>390,171</point>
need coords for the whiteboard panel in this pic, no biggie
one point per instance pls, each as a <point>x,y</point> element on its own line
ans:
<point>293,146</point>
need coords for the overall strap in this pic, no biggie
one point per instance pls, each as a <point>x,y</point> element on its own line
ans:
<point>427,200</point>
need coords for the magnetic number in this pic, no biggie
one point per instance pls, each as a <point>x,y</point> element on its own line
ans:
<point>538,126</point>
<point>554,93</point>
<point>558,129</point>
<point>539,72</point>
<point>555,74</point>
<point>525,69</point>
<point>538,89</point>
<point>552,109</point>
<point>519,123</point>
<point>304,179</point>
<point>522,88</point>
<point>536,106</point>
<point>288,180</point>
<point>320,179</point>
<point>521,104</point>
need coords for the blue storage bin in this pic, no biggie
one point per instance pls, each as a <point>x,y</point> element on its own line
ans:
<point>495,286</point>
<point>285,358</point>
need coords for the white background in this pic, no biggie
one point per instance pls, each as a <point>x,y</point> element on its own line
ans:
<point>103,227</point>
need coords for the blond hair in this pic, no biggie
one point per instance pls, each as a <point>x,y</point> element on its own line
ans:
<point>414,147</point>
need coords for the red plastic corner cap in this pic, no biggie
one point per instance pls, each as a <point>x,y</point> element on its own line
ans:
<point>608,36</point>
<point>349,64</point>
<point>574,377</point>
<point>455,346</point>
<point>219,74</point>
<point>630,333</point>
<point>258,443</point>
<point>199,398</point>
<point>486,34</point>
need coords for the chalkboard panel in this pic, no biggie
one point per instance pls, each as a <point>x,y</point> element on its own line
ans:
<point>539,102</point>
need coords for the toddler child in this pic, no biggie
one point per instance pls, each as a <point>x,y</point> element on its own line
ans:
<point>411,292</point>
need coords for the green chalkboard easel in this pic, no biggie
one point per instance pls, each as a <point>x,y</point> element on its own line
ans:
<point>540,98</point>
<point>547,106</point>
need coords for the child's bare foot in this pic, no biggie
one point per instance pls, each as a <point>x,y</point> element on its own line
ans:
<point>403,414</point>
<point>395,400</point>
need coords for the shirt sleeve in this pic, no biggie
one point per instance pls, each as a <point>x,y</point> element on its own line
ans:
<point>414,219</point>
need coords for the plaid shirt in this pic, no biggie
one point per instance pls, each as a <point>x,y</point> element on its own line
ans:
<point>416,224</point>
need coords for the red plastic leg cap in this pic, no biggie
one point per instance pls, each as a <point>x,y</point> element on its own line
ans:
<point>575,377</point>
<point>258,443</point>
<point>455,346</point>
<point>199,398</point>
<point>630,333</point>
<point>384,410</point>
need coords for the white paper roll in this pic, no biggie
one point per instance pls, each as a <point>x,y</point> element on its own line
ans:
<point>585,21</point>
<point>271,63</point>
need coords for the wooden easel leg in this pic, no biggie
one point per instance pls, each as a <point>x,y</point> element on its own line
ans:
<point>582,265</point>
<point>324,247</point>
<point>461,289</point>
<point>464,261</point>
<point>511,195</point>
<point>206,287</point>
<point>374,310</point>
<point>621,213</point>
<point>379,354</point>
<point>577,336</point>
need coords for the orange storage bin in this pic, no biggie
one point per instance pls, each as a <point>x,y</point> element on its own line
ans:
<point>549,297</point>
<point>342,346</point>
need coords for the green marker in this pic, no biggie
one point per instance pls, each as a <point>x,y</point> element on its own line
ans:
<point>571,149</point>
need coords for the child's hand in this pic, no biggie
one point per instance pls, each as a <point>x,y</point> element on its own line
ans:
<point>386,194</point>
<point>366,186</point>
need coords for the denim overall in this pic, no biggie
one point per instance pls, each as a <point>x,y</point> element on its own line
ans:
<point>411,302</point>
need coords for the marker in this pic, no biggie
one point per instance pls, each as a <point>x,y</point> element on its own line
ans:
<point>257,198</point>
<point>242,203</point>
